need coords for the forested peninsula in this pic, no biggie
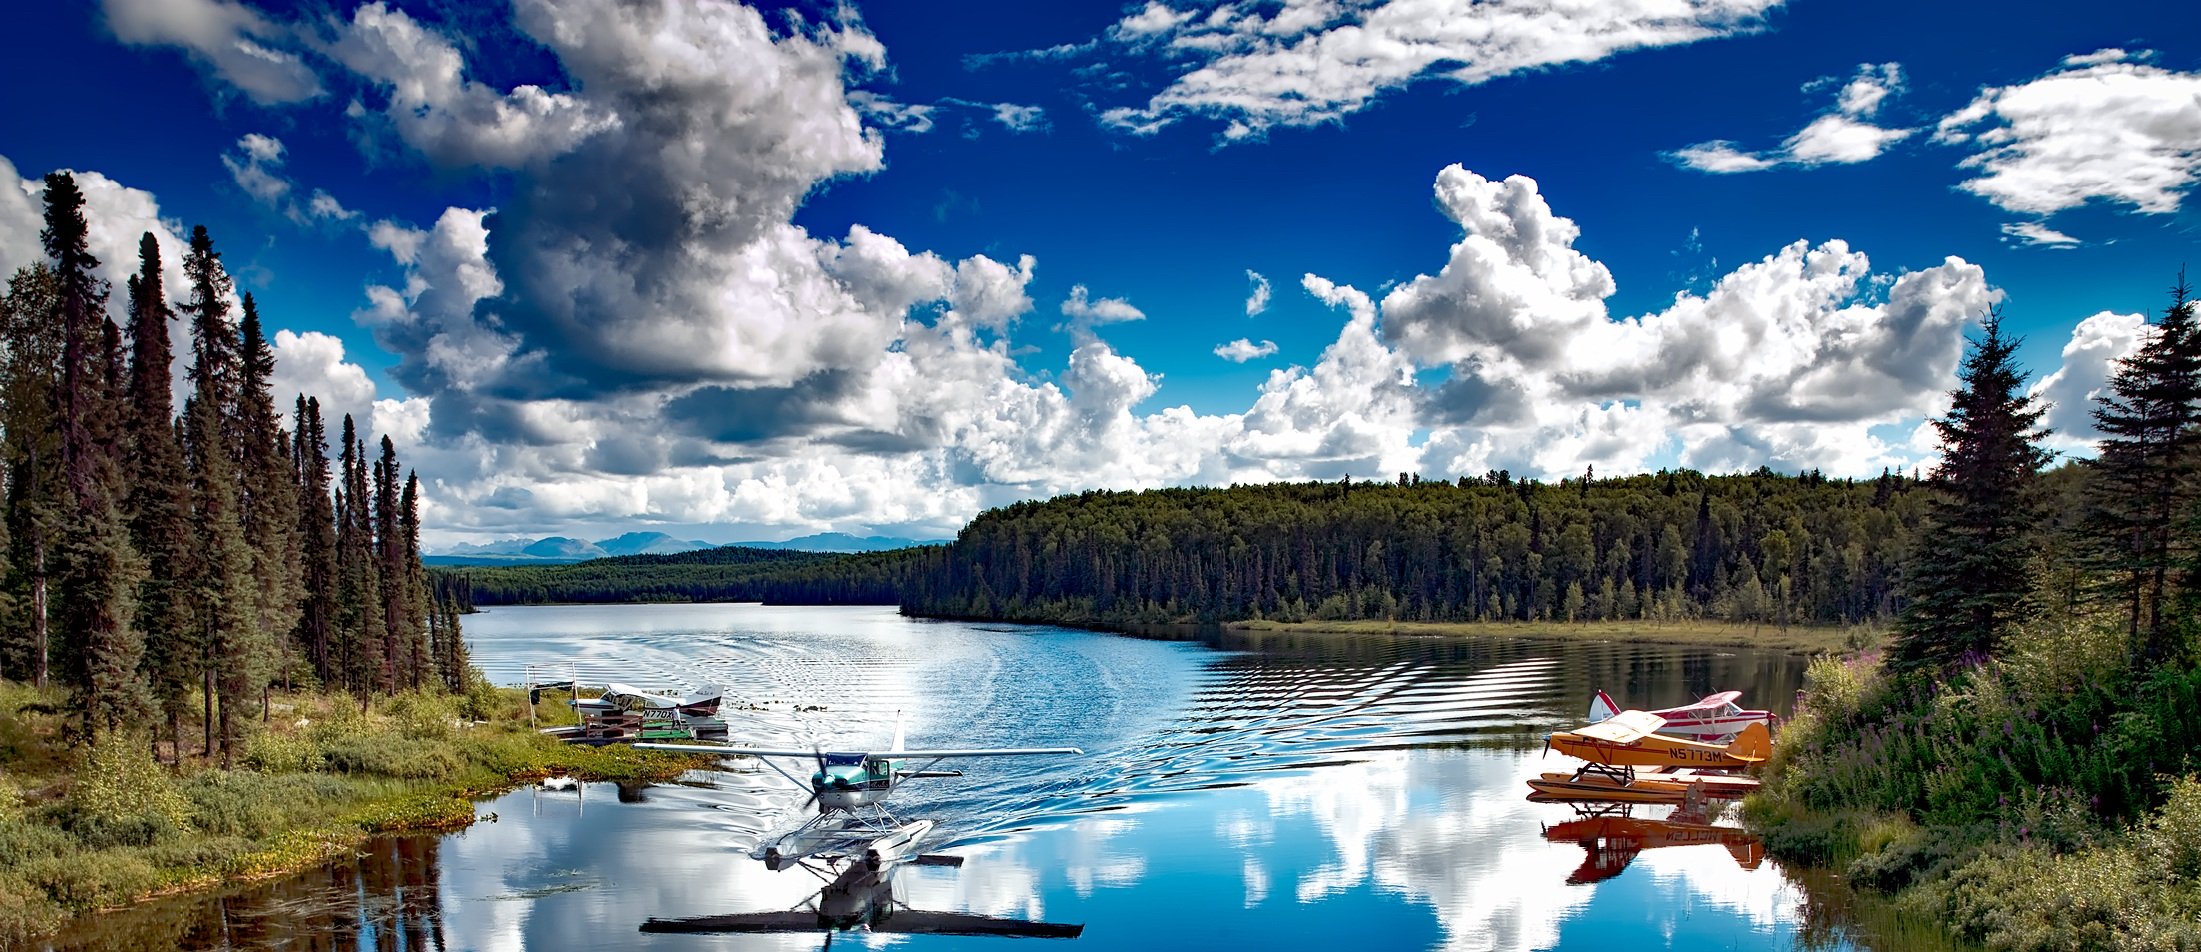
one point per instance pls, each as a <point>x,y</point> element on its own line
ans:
<point>1677,545</point>
<point>219,659</point>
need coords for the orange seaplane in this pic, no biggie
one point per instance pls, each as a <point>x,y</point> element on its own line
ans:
<point>1615,747</point>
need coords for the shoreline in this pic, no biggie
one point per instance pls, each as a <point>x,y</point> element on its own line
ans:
<point>301,795</point>
<point>1796,638</point>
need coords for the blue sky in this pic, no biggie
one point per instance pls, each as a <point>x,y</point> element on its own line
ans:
<point>742,273</point>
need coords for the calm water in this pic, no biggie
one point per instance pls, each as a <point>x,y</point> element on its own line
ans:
<point>1287,792</point>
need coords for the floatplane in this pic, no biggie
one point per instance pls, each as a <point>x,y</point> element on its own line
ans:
<point>1617,746</point>
<point>1613,839</point>
<point>1714,717</point>
<point>850,789</point>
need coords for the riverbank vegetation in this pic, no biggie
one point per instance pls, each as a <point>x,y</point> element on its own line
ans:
<point>1800,638</point>
<point>2023,763</point>
<point>84,828</point>
<point>218,658</point>
<point>728,574</point>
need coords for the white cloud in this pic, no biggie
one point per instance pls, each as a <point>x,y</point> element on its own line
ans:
<point>242,47</point>
<point>1842,136</point>
<point>2089,359</point>
<point>1084,312</point>
<point>257,168</point>
<point>1241,350</point>
<point>1720,157</point>
<point>1257,298</point>
<point>1258,66</point>
<point>2104,127</point>
<point>2035,233</point>
<point>451,119</point>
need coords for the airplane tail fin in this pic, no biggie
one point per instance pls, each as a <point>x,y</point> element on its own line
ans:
<point>1602,707</point>
<point>901,720</point>
<point>1754,744</point>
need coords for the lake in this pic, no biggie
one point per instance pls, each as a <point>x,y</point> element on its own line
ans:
<point>1239,789</point>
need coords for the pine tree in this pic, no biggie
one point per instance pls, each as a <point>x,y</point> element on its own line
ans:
<point>317,535</point>
<point>160,499</point>
<point>359,610</point>
<point>421,649</point>
<point>1968,574</point>
<point>35,497</point>
<point>97,570</point>
<point>225,589</point>
<point>2143,489</point>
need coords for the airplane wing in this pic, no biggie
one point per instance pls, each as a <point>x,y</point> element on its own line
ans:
<point>730,751</point>
<point>742,922</point>
<point>1626,727</point>
<point>954,923</point>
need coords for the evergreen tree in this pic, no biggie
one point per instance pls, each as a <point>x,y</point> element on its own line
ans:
<point>317,535</point>
<point>1968,573</point>
<point>36,499</point>
<point>363,635</point>
<point>421,649</point>
<point>2143,489</point>
<point>97,570</point>
<point>227,614</point>
<point>268,506</point>
<point>160,499</point>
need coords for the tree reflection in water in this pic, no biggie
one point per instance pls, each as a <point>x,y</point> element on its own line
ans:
<point>384,897</point>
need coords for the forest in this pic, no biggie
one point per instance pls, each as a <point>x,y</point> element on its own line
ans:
<point>728,574</point>
<point>163,562</point>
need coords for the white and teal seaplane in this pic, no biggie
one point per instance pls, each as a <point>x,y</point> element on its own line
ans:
<point>850,789</point>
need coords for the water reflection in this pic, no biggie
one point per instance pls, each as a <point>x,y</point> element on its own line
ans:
<point>1287,790</point>
<point>385,897</point>
<point>860,898</point>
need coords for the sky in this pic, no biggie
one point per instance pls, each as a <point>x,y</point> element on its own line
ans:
<point>739,272</point>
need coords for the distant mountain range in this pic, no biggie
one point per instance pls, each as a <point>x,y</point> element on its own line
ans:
<point>559,550</point>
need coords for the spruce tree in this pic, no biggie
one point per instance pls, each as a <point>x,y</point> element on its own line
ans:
<point>317,535</point>
<point>2143,491</point>
<point>160,499</point>
<point>359,612</point>
<point>97,570</point>
<point>1967,578</point>
<point>421,649</point>
<point>268,505</point>
<point>36,500</point>
<point>225,589</point>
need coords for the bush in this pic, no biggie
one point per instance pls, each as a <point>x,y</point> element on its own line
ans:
<point>120,797</point>
<point>239,803</point>
<point>394,757</point>
<point>269,752</point>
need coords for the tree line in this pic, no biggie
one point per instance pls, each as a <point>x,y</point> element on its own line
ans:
<point>726,574</point>
<point>1758,547</point>
<point>156,556</point>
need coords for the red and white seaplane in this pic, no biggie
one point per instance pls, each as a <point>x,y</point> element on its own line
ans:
<point>1715,717</point>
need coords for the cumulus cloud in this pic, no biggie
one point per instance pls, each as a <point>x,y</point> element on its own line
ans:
<point>257,167</point>
<point>452,119</point>
<point>1257,296</point>
<point>1241,350</point>
<point>116,215</point>
<point>1842,136</point>
<point>2107,126</point>
<point>241,47</point>
<point>2089,360</point>
<point>1257,65</point>
<point>1084,311</point>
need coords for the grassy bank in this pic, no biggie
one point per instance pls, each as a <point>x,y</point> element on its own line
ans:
<point>1804,638</point>
<point>85,829</point>
<point>2045,800</point>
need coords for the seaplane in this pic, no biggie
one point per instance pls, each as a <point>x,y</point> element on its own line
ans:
<point>860,897</point>
<point>1715,717</point>
<point>850,789</point>
<point>1615,747</point>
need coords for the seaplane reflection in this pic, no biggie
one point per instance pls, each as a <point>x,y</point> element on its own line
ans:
<point>1613,838</point>
<point>861,898</point>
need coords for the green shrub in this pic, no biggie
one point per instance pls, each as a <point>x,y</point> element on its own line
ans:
<point>386,756</point>
<point>269,752</point>
<point>92,880</point>
<point>120,797</point>
<point>241,803</point>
